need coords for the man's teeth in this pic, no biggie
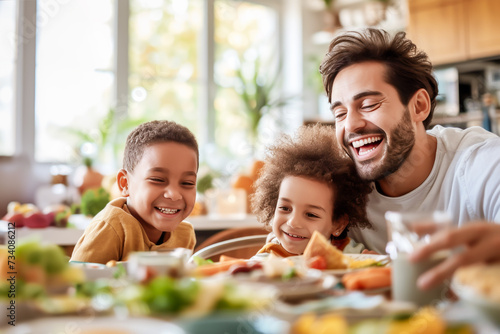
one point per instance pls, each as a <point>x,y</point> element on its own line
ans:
<point>359,143</point>
<point>168,211</point>
<point>366,152</point>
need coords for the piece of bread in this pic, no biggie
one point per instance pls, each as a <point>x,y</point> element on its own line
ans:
<point>482,278</point>
<point>320,246</point>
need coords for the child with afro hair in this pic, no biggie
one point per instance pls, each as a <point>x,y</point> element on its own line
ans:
<point>308,183</point>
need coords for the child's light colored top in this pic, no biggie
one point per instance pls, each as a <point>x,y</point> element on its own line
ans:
<point>114,233</point>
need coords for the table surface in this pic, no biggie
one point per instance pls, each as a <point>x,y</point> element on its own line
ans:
<point>452,312</point>
<point>455,311</point>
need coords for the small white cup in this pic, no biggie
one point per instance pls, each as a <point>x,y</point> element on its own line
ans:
<point>169,262</point>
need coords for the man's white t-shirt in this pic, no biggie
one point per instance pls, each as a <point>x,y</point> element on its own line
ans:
<point>464,181</point>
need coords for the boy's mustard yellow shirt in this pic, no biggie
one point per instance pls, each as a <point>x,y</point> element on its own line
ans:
<point>114,233</point>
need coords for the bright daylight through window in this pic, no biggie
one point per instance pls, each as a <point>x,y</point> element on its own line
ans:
<point>7,82</point>
<point>203,67</point>
<point>74,77</point>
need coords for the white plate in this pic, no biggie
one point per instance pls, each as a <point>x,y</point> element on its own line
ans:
<point>95,271</point>
<point>311,277</point>
<point>95,324</point>
<point>313,282</point>
<point>357,257</point>
<point>354,304</point>
<point>470,297</point>
<point>306,288</point>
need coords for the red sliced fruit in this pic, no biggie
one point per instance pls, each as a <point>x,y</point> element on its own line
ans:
<point>37,220</point>
<point>15,218</point>
<point>317,262</point>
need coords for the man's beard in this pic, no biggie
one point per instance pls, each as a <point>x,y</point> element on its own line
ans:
<point>401,143</point>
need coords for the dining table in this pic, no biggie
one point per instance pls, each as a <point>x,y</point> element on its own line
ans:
<point>321,296</point>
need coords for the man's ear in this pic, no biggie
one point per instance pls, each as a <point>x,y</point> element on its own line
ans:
<point>420,105</point>
<point>122,182</point>
<point>339,225</point>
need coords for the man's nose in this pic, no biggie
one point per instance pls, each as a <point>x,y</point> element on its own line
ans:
<point>354,121</point>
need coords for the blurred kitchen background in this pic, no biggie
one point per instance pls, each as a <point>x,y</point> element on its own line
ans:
<point>77,76</point>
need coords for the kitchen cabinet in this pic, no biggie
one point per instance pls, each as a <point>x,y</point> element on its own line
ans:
<point>455,30</point>
<point>483,28</point>
<point>437,27</point>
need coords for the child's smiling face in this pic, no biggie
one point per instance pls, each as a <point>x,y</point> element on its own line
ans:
<point>161,189</point>
<point>304,205</point>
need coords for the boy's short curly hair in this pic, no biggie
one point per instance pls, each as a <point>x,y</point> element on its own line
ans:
<point>159,131</point>
<point>314,154</point>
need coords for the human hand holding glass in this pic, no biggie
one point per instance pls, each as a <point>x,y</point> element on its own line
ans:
<point>478,242</point>
<point>410,231</point>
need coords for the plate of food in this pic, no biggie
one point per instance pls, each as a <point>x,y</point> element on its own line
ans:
<point>477,286</point>
<point>291,277</point>
<point>321,254</point>
<point>357,262</point>
<point>299,290</point>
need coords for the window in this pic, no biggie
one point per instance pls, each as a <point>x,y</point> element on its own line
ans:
<point>164,53</point>
<point>74,76</point>
<point>7,83</point>
<point>246,64</point>
<point>174,76</point>
<point>183,61</point>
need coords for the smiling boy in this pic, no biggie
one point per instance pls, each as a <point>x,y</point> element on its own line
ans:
<point>158,185</point>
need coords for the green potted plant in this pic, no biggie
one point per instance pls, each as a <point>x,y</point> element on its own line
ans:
<point>259,93</point>
<point>331,17</point>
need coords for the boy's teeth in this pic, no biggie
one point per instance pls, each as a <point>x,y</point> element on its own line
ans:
<point>168,211</point>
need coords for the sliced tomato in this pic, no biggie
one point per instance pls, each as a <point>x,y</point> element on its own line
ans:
<point>317,262</point>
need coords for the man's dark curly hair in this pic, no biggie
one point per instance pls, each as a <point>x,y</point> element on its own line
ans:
<point>314,154</point>
<point>407,68</point>
<point>154,132</point>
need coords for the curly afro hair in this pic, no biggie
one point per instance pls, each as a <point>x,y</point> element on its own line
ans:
<point>313,153</point>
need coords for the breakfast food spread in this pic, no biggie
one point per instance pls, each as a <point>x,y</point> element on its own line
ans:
<point>320,246</point>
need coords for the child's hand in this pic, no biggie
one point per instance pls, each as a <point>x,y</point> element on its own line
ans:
<point>366,251</point>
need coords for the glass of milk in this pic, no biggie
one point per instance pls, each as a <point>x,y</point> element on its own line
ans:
<point>407,231</point>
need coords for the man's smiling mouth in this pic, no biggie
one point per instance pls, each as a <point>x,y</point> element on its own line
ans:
<point>366,145</point>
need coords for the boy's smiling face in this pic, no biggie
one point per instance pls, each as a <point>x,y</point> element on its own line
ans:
<point>162,188</point>
<point>304,205</point>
